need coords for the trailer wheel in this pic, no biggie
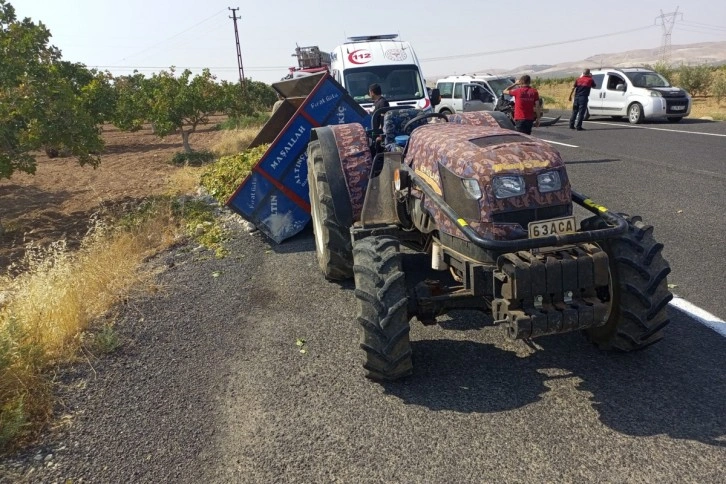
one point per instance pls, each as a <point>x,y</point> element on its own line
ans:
<point>638,290</point>
<point>382,308</point>
<point>332,240</point>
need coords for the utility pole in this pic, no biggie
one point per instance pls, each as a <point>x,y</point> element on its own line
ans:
<point>234,18</point>
<point>667,21</point>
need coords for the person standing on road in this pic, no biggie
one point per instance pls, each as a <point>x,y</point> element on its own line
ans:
<point>581,90</point>
<point>525,98</point>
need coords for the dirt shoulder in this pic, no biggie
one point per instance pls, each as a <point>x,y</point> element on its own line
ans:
<point>58,202</point>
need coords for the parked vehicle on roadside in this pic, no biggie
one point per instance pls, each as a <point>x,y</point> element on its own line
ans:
<point>493,211</point>
<point>384,60</point>
<point>460,94</point>
<point>638,93</point>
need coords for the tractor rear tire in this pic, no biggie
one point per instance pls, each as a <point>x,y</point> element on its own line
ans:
<point>332,241</point>
<point>638,288</point>
<point>380,288</point>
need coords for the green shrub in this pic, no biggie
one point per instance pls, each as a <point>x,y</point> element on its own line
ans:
<point>223,177</point>
<point>106,341</point>
<point>695,79</point>
<point>718,84</point>
<point>192,158</point>
<point>665,70</point>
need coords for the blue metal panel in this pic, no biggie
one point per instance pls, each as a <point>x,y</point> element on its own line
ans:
<point>274,196</point>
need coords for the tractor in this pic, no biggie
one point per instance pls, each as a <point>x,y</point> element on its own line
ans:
<point>493,210</point>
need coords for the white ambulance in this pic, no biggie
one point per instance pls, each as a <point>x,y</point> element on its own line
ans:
<point>384,60</point>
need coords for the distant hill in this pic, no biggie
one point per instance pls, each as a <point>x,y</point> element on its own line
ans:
<point>713,53</point>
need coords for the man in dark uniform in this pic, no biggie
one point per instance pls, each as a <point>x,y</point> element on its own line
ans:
<point>581,89</point>
<point>525,98</point>
<point>374,91</point>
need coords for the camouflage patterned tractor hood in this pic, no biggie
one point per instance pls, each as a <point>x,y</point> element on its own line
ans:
<point>439,153</point>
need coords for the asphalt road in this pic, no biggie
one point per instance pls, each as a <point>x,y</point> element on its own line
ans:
<point>210,385</point>
<point>674,176</point>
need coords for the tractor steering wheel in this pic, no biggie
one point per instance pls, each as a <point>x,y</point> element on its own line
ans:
<point>408,127</point>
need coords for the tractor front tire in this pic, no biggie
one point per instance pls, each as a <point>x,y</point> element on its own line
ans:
<point>332,240</point>
<point>380,288</point>
<point>638,288</point>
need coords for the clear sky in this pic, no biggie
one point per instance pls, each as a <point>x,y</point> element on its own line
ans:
<point>450,37</point>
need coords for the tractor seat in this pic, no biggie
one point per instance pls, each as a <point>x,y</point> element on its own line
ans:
<point>393,123</point>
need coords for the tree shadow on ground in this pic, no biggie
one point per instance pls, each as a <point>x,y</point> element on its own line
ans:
<point>117,149</point>
<point>676,387</point>
<point>16,200</point>
<point>35,222</point>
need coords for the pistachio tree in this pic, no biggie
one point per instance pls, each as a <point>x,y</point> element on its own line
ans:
<point>40,107</point>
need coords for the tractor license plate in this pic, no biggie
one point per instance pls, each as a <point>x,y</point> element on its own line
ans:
<point>555,226</point>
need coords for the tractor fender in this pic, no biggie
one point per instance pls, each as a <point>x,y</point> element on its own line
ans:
<point>348,160</point>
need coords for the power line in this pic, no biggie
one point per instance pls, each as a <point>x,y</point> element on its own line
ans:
<point>690,28</point>
<point>701,25</point>
<point>173,36</point>
<point>538,46</point>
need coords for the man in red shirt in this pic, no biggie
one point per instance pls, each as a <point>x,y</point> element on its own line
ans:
<point>525,98</point>
<point>581,90</point>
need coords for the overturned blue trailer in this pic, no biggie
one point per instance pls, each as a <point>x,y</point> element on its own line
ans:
<point>274,197</point>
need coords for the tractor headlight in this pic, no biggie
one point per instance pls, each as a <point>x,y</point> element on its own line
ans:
<point>549,181</point>
<point>508,186</point>
<point>471,185</point>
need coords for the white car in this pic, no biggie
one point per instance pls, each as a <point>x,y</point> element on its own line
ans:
<point>638,93</point>
<point>461,94</point>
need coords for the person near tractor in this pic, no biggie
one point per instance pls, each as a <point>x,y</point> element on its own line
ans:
<point>374,91</point>
<point>525,99</point>
<point>581,90</point>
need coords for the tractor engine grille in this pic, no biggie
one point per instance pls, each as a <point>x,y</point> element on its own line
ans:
<point>524,217</point>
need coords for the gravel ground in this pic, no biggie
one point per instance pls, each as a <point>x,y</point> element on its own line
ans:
<point>142,413</point>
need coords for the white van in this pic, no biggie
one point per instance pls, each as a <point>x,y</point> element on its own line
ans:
<point>384,60</point>
<point>637,93</point>
<point>470,93</point>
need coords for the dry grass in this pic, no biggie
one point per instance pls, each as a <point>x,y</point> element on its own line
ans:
<point>51,312</point>
<point>50,306</point>
<point>703,107</point>
<point>184,181</point>
<point>235,141</point>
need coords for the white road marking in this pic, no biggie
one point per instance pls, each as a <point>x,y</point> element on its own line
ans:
<point>700,315</point>
<point>657,129</point>
<point>561,144</point>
